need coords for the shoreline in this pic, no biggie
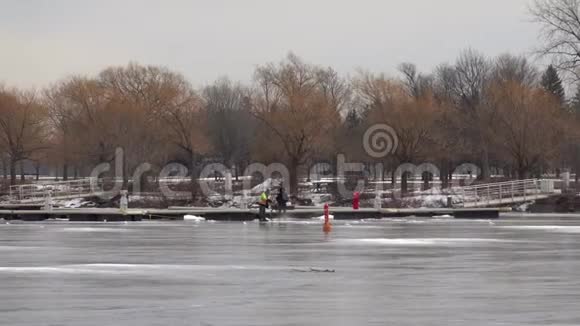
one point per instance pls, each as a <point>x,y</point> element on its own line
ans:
<point>217,214</point>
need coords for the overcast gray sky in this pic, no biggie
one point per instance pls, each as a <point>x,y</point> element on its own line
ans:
<point>42,40</point>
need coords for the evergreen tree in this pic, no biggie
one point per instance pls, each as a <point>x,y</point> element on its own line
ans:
<point>353,119</point>
<point>552,83</point>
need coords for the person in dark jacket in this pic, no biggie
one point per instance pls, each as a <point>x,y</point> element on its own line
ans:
<point>281,200</point>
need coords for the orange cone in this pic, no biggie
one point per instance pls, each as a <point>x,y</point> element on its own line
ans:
<point>327,226</point>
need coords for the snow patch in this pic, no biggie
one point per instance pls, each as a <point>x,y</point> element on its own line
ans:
<point>319,199</point>
<point>445,216</point>
<point>425,241</point>
<point>193,218</point>
<point>548,228</point>
<point>525,207</point>
<point>330,217</point>
<point>94,229</point>
<point>74,203</point>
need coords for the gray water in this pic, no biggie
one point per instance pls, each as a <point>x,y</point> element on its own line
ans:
<point>391,272</point>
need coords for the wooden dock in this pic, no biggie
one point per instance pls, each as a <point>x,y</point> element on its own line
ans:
<point>233,214</point>
<point>9,206</point>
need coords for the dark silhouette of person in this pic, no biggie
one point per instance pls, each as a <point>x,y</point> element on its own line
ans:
<point>282,199</point>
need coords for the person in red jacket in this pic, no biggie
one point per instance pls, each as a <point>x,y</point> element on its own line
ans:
<point>356,200</point>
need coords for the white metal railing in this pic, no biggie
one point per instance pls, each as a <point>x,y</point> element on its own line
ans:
<point>37,192</point>
<point>505,192</point>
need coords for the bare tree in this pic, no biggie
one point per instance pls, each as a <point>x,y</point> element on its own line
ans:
<point>413,118</point>
<point>143,98</point>
<point>63,112</point>
<point>337,93</point>
<point>472,72</point>
<point>186,122</point>
<point>560,22</point>
<point>22,127</point>
<point>230,123</point>
<point>507,67</point>
<point>335,89</point>
<point>529,125</point>
<point>76,107</point>
<point>377,90</point>
<point>294,107</point>
<point>417,84</point>
<point>471,75</point>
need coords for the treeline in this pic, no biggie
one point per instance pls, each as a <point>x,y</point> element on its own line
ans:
<point>503,114</point>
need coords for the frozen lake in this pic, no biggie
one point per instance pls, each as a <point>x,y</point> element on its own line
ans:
<point>517,271</point>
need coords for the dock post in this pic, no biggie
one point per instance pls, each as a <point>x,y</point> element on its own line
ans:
<point>92,185</point>
<point>228,184</point>
<point>123,202</point>
<point>565,180</point>
<point>48,200</point>
<point>378,203</point>
<point>488,195</point>
<point>244,203</point>
<point>513,191</point>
